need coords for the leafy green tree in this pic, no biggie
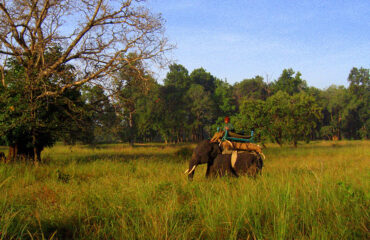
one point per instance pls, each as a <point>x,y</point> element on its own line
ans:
<point>202,110</point>
<point>303,117</point>
<point>218,102</point>
<point>334,101</point>
<point>131,83</point>
<point>223,98</point>
<point>358,118</point>
<point>327,132</point>
<point>281,118</point>
<point>289,83</point>
<point>175,107</point>
<point>277,107</point>
<point>102,115</point>
<point>30,124</point>
<point>359,82</point>
<point>254,116</point>
<point>178,76</point>
<point>202,77</point>
<point>174,115</point>
<point>189,103</point>
<point>148,114</point>
<point>224,104</point>
<point>253,88</point>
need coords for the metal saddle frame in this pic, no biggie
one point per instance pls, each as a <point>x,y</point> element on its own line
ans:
<point>239,138</point>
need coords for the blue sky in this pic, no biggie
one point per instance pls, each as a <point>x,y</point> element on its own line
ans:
<point>235,40</point>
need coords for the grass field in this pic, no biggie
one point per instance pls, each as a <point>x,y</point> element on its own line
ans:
<point>317,191</point>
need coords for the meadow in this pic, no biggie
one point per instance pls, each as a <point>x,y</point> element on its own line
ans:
<point>319,190</point>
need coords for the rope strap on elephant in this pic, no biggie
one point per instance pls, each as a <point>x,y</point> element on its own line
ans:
<point>228,145</point>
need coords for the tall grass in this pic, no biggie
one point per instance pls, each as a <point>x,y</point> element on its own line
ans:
<point>317,191</point>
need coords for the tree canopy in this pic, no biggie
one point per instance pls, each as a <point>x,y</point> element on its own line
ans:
<point>45,55</point>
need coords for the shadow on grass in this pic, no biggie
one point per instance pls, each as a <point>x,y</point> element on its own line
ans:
<point>136,145</point>
<point>122,157</point>
<point>66,228</point>
<point>289,150</point>
<point>182,154</point>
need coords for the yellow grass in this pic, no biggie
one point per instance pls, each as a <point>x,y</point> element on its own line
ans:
<point>316,191</point>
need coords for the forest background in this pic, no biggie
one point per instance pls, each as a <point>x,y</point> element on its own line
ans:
<point>190,107</point>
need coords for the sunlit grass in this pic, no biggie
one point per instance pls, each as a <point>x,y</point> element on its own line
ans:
<point>317,191</point>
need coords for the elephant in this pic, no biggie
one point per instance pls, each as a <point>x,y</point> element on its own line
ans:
<point>218,164</point>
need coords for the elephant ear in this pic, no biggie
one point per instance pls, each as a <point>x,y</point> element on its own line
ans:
<point>215,150</point>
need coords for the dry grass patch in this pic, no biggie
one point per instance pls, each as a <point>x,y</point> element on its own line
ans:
<point>317,191</point>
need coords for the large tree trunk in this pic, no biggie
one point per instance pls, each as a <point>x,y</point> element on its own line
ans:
<point>12,153</point>
<point>36,153</point>
<point>21,152</point>
<point>131,126</point>
<point>277,140</point>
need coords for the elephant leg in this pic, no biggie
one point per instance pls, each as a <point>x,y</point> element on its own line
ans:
<point>208,172</point>
<point>248,163</point>
<point>252,170</point>
<point>221,166</point>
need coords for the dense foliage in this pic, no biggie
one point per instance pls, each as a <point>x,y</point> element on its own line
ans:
<point>28,124</point>
<point>190,106</point>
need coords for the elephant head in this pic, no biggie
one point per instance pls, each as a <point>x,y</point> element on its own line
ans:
<point>205,152</point>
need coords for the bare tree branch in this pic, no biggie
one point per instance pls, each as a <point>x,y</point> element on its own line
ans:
<point>94,35</point>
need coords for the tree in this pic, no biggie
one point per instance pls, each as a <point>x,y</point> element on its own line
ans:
<point>253,88</point>
<point>289,83</point>
<point>174,104</point>
<point>178,76</point>
<point>223,97</point>
<point>278,112</point>
<point>27,136</point>
<point>148,114</point>
<point>334,102</point>
<point>359,80</point>
<point>174,116</point>
<point>104,123</point>
<point>131,83</point>
<point>358,119</point>
<point>201,108</point>
<point>97,46</point>
<point>254,116</point>
<point>224,103</point>
<point>303,117</point>
<point>203,78</point>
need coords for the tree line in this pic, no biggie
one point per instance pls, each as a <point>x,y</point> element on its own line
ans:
<point>190,107</point>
